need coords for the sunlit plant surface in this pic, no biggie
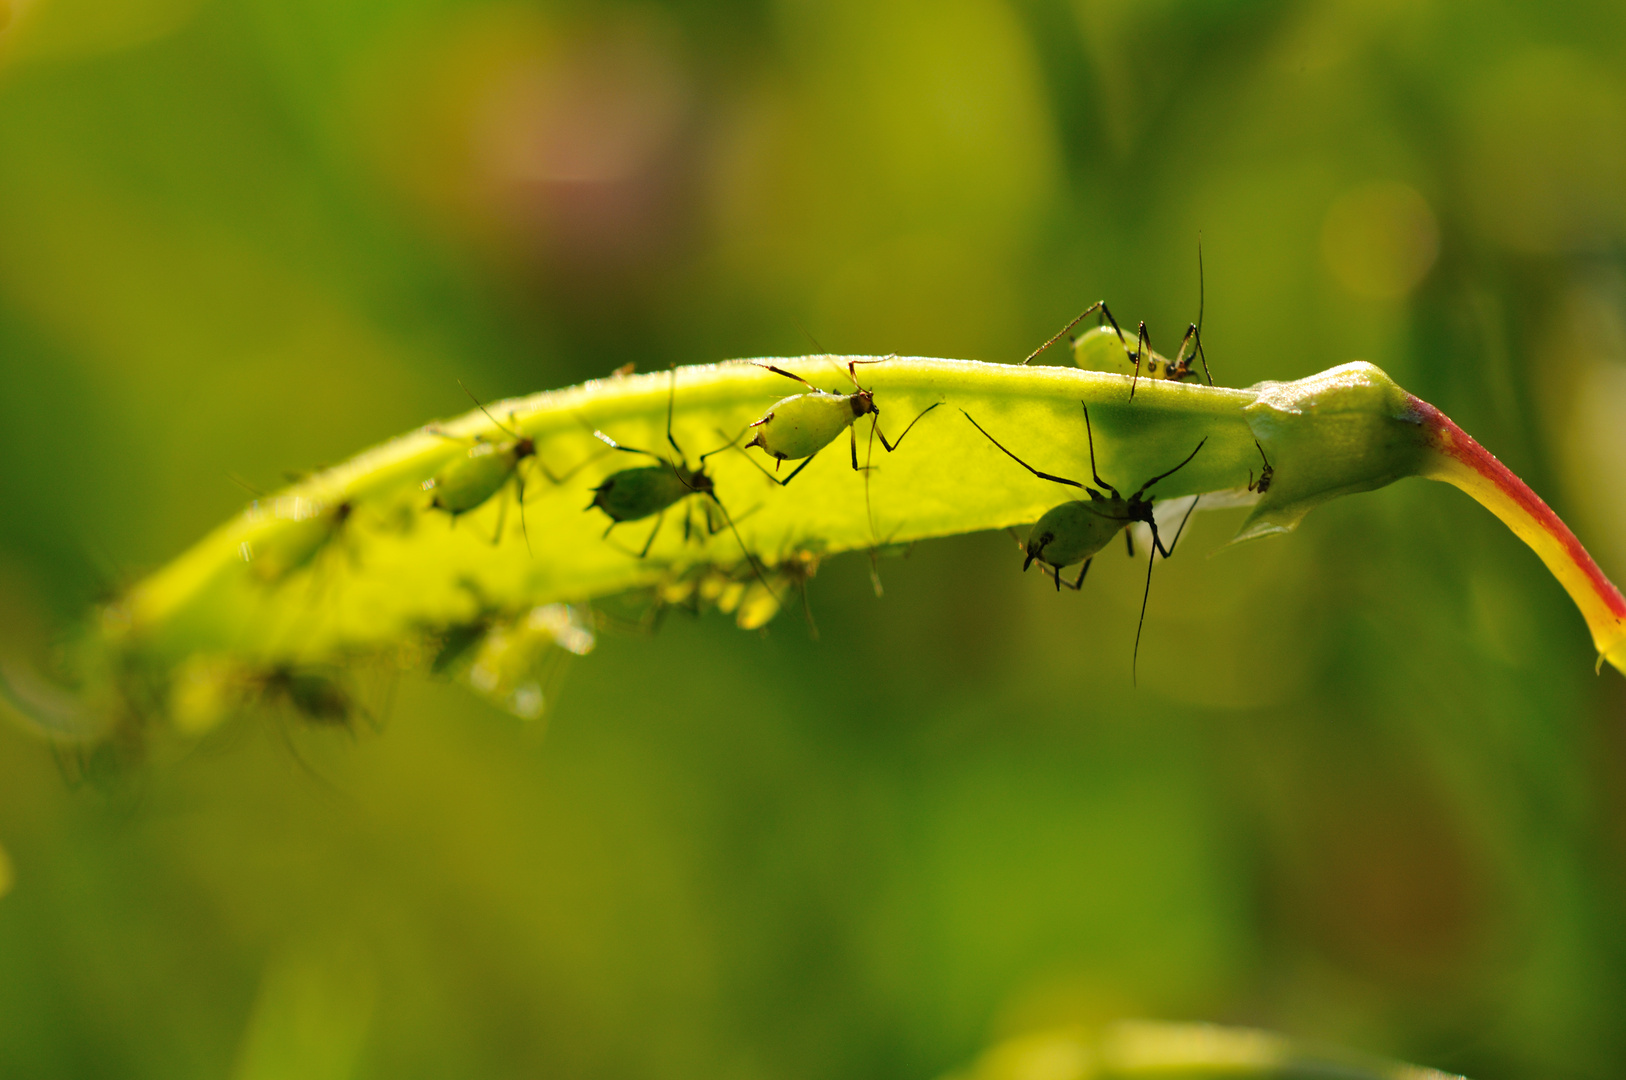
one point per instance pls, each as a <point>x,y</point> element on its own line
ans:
<point>476,547</point>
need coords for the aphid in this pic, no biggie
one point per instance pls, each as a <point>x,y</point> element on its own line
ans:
<point>1075,531</point>
<point>1094,350</point>
<point>1266,475</point>
<point>799,426</point>
<point>517,662</point>
<point>469,482</point>
<point>317,695</point>
<point>650,490</point>
<point>308,527</point>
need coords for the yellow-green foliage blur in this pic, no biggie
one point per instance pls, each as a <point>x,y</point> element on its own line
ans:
<point>1369,790</point>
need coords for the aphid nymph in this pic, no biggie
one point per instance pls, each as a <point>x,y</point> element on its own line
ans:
<point>309,527</point>
<point>649,490</point>
<point>469,482</point>
<point>1266,475</point>
<point>1095,351</point>
<point>799,426</point>
<point>1076,530</point>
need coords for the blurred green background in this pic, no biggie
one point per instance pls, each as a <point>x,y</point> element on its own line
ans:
<point>1369,789</point>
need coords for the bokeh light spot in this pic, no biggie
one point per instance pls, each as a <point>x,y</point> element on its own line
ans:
<point>1380,240</point>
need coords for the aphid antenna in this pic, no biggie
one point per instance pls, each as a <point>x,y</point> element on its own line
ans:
<point>479,405</point>
<point>245,485</point>
<point>1151,559</point>
<point>1077,585</point>
<point>1030,468</point>
<point>1099,306</point>
<point>808,335</point>
<point>756,567</point>
<point>1171,472</point>
<point>1200,299</point>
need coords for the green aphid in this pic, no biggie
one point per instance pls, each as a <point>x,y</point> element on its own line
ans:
<point>650,490</point>
<point>469,482</point>
<point>1075,531</point>
<point>1103,349</point>
<point>799,426</point>
<point>308,527</point>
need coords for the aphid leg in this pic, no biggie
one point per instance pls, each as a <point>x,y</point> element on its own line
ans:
<point>1180,530</point>
<point>789,375</point>
<point>1089,435</point>
<point>756,567</point>
<point>524,529</point>
<point>1143,342</point>
<point>502,518</point>
<point>568,473</point>
<point>1025,465</point>
<point>1099,305</point>
<point>1171,472</point>
<point>869,505</point>
<point>1079,584</point>
<point>671,398</point>
<point>1129,541</point>
<point>613,445</point>
<point>1151,558</point>
<point>893,446</point>
<point>782,483</point>
<point>659,518</point>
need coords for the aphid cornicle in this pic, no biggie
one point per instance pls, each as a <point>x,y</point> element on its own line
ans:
<point>799,426</point>
<point>650,490</point>
<point>1076,530</point>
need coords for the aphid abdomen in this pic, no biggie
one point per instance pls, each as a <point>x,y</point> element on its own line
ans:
<point>1101,349</point>
<point>311,527</point>
<point>469,481</point>
<point>802,425</point>
<point>632,494</point>
<point>1077,530</point>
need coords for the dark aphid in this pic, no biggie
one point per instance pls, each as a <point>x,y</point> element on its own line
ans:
<point>1075,531</point>
<point>1266,475</point>
<point>316,695</point>
<point>798,427</point>
<point>309,527</point>
<point>650,490</point>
